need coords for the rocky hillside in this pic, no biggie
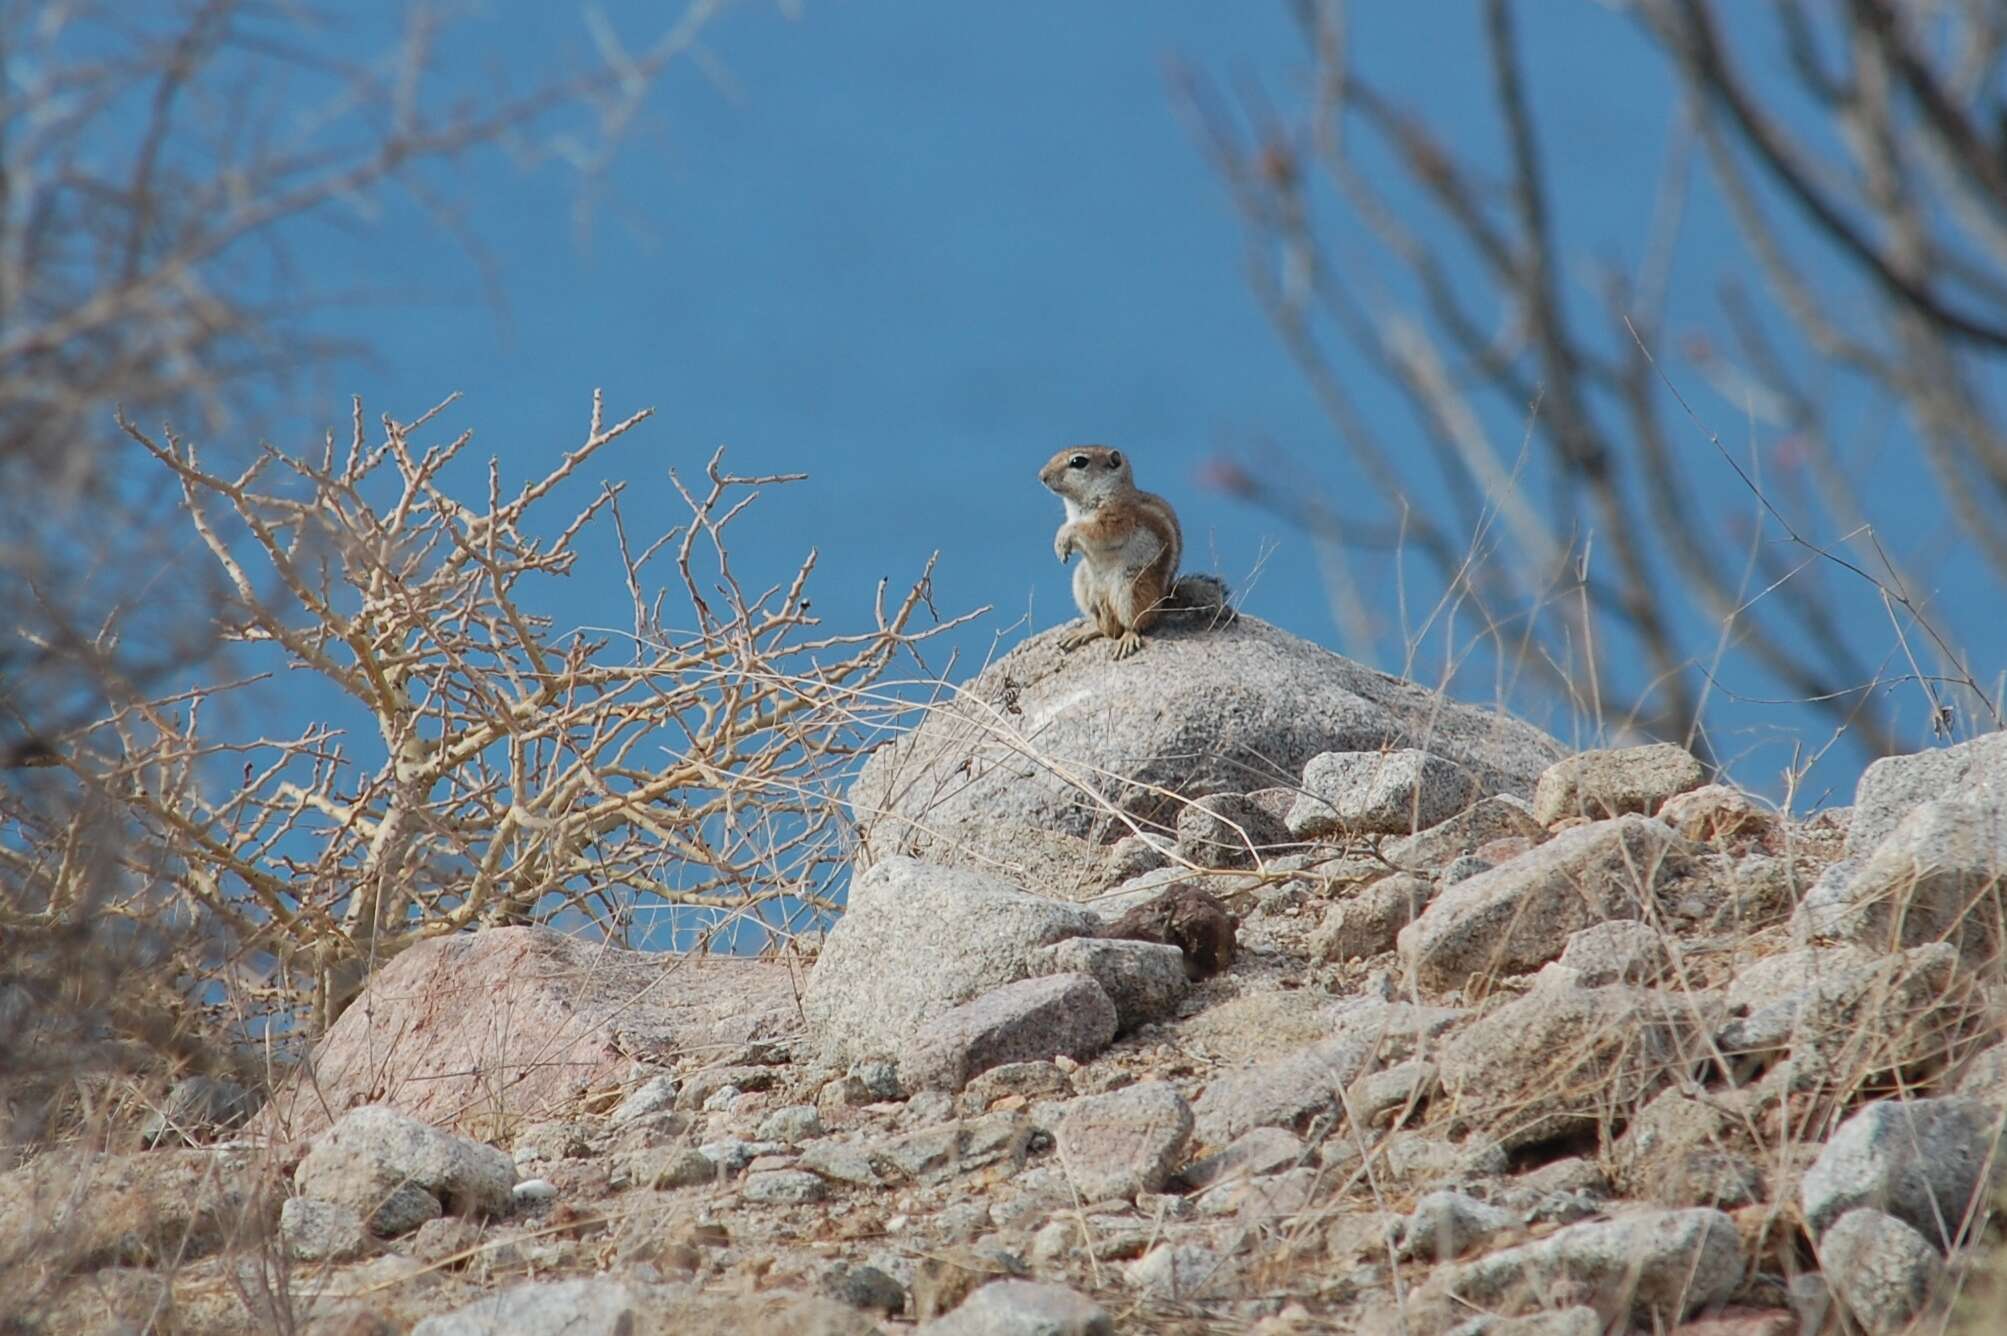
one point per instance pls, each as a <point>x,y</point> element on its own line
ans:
<point>1231,988</point>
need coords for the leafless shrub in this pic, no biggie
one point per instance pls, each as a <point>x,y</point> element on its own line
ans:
<point>510,769</point>
<point>162,168</point>
<point>1604,537</point>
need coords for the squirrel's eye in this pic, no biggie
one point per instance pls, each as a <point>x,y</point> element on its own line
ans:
<point>1077,462</point>
<point>1114,459</point>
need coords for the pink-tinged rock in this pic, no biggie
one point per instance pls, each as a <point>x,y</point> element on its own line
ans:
<point>519,1021</point>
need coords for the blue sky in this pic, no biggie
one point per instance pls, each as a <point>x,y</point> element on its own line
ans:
<point>913,249</point>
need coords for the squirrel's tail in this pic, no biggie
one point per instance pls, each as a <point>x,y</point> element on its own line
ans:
<point>1204,597</point>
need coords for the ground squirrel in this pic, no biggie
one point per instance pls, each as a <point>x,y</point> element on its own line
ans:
<point>1129,544</point>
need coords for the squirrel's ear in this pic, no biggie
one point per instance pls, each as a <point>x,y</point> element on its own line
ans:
<point>1114,459</point>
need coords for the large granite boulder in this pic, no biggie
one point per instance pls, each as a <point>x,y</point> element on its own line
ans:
<point>1895,786</point>
<point>918,940</point>
<point>1199,712</point>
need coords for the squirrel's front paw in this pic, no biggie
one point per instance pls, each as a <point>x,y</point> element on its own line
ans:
<point>1062,546</point>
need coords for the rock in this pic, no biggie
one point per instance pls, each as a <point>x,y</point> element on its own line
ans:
<point>1368,923</point>
<point>1029,1080</point>
<point>1145,980</point>
<point>1923,1161</point>
<point>533,1194</point>
<point>1827,913</point>
<point>1227,830</point>
<point>1664,1264</point>
<point>623,1306</point>
<point>1117,1145</point>
<point>1024,1308</point>
<point>1027,1021</point>
<point>652,1096</point>
<point>75,1210</point>
<point>1576,1173</point>
<point>917,940</point>
<point>1620,951</point>
<point>1179,1271</point>
<point>1054,863</point>
<point>1268,1203</point>
<point>1680,1151</point>
<point>942,1281</point>
<point>1257,1025</point>
<point>380,1163</point>
<point>718,1086</point>
<point>1257,1151</point>
<point>1212,708</point>
<point>531,1011</point>
<point>1284,1092</point>
<point>1560,1060</point>
<point>1134,855</point>
<point>196,1109</point>
<point>1761,889</point>
<point>1742,1320</point>
<point>1884,1271</point>
<point>1516,917</point>
<point>1894,786</point>
<point>1811,1301</point>
<point>1578,1320</point>
<point>730,1154</point>
<point>1985,1078</point>
<point>1719,814</point>
<point>1380,793</point>
<point>594,1306</point>
<point>321,1231</point>
<point>927,1107</point>
<point>1445,1225</point>
<point>930,1154</point>
<point>864,1287</point>
<point>840,1162</point>
<point>665,1168</point>
<point>1842,1014</point>
<point>1935,877</point>
<point>446,1240</point>
<point>1463,869</point>
<point>1392,1031</point>
<point>792,1124</point>
<point>114,1301</point>
<point>1389,1091</point>
<point>1415,1159</point>
<point>1188,918</point>
<point>879,1076</point>
<point>1500,816</point>
<point>793,1187</point>
<point>1602,784</point>
<point>399,1210</point>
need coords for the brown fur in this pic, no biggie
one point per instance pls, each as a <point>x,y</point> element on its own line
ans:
<point>1128,540</point>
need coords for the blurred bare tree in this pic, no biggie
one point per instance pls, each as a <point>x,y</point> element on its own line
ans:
<point>161,165</point>
<point>1607,539</point>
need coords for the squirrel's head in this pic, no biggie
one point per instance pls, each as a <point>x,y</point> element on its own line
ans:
<point>1087,473</point>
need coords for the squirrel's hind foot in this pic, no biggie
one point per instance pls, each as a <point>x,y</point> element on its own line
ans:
<point>1080,635</point>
